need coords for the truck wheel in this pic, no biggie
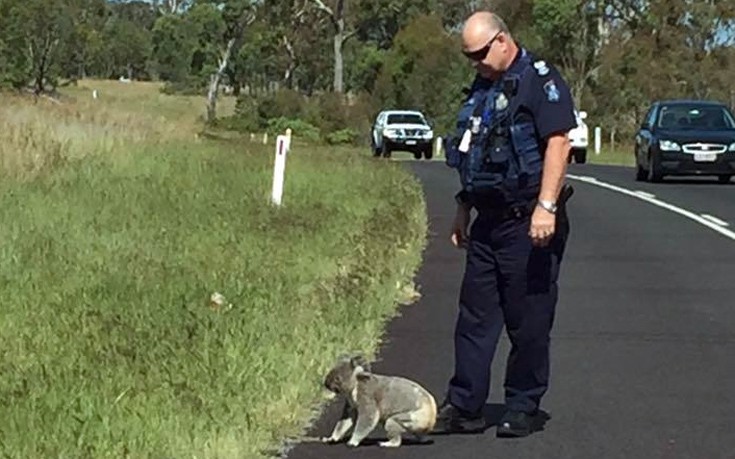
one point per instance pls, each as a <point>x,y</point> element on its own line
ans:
<point>580,155</point>
<point>417,155</point>
<point>374,146</point>
<point>428,152</point>
<point>385,151</point>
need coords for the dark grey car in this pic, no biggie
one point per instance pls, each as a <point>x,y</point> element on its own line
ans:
<point>686,137</point>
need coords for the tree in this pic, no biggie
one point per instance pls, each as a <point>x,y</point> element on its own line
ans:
<point>15,66</point>
<point>424,70</point>
<point>341,34</point>
<point>173,47</point>
<point>46,26</point>
<point>237,15</point>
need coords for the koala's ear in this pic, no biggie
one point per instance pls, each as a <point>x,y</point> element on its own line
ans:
<point>360,361</point>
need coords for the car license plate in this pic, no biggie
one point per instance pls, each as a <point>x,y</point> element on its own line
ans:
<point>705,157</point>
<point>410,142</point>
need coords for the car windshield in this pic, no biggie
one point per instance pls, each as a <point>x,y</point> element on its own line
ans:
<point>405,118</point>
<point>691,116</point>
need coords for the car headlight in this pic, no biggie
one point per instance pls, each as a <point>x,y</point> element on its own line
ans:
<point>390,132</point>
<point>428,134</point>
<point>732,147</point>
<point>668,145</point>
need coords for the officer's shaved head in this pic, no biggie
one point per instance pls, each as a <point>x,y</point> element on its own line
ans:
<point>487,42</point>
<point>480,27</point>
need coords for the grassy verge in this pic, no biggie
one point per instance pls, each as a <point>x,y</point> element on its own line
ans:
<point>109,346</point>
<point>618,157</point>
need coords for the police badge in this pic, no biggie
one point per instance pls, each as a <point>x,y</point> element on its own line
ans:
<point>541,68</point>
<point>501,102</point>
<point>552,92</point>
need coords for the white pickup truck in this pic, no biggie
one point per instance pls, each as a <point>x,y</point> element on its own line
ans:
<point>402,130</point>
<point>579,138</point>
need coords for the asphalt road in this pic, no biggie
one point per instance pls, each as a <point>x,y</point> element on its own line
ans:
<point>643,349</point>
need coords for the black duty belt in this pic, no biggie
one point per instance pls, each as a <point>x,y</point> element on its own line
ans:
<point>521,209</point>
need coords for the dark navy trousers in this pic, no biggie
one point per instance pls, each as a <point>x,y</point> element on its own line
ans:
<point>507,282</point>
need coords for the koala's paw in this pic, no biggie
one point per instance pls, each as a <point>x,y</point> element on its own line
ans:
<point>353,444</point>
<point>327,440</point>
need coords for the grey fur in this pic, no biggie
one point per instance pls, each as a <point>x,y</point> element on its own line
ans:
<point>402,405</point>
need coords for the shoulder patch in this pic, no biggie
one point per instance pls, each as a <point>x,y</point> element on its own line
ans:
<point>541,68</point>
<point>552,92</point>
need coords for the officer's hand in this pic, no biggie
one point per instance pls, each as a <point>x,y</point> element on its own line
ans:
<point>459,227</point>
<point>543,224</point>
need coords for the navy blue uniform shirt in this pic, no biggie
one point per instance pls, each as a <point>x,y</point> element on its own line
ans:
<point>545,98</point>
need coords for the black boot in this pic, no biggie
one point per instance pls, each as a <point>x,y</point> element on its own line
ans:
<point>515,424</point>
<point>451,419</point>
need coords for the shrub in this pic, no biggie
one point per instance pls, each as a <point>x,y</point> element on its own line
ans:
<point>299,128</point>
<point>342,136</point>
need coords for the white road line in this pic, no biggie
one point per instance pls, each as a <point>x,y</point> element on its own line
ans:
<point>715,220</point>
<point>657,202</point>
<point>645,194</point>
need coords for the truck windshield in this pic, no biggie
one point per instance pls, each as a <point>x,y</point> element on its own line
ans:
<point>405,118</point>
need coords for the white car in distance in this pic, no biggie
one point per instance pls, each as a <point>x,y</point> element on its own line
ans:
<point>579,138</point>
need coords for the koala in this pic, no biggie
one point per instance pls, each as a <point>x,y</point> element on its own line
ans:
<point>402,405</point>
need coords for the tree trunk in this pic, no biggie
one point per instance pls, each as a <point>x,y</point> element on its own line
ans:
<point>292,63</point>
<point>338,58</point>
<point>338,21</point>
<point>214,82</point>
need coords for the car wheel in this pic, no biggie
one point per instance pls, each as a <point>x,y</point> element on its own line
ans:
<point>416,155</point>
<point>724,178</point>
<point>640,173</point>
<point>580,155</point>
<point>654,174</point>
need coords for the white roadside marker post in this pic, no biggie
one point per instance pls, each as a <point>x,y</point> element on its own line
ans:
<point>279,168</point>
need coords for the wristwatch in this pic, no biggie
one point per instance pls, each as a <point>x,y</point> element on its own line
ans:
<point>548,206</point>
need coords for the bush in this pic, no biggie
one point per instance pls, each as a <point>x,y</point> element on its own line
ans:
<point>285,103</point>
<point>299,128</point>
<point>191,86</point>
<point>343,136</point>
<point>333,118</point>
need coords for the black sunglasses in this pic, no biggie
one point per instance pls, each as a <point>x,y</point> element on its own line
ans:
<point>481,53</point>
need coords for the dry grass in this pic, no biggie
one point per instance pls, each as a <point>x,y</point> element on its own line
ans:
<point>36,134</point>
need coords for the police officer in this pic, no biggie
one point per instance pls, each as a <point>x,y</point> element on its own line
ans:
<point>511,151</point>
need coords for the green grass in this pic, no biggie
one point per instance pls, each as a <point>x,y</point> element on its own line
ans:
<point>619,156</point>
<point>109,346</point>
